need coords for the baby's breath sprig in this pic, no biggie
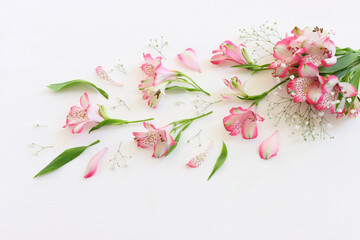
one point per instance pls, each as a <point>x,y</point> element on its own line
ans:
<point>119,103</point>
<point>40,148</point>
<point>158,45</point>
<point>202,105</point>
<point>196,136</point>
<point>263,37</point>
<point>309,122</point>
<point>118,159</point>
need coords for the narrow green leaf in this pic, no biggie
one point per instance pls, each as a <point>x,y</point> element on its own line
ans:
<point>220,161</point>
<point>65,157</point>
<point>60,86</point>
<point>110,121</point>
<point>342,62</point>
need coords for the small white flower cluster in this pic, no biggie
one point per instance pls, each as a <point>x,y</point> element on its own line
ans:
<point>310,123</point>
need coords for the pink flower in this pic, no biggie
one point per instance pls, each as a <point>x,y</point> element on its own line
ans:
<point>230,52</point>
<point>331,89</point>
<point>289,49</point>
<point>93,163</point>
<point>153,69</point>
<point>160,139</point>
<point>319,48</point>
<point>190,59</point>
<point>269,147</point>
<point>151,65</point>
<point>80,116</point>
<point>307,87</point>
<point>235,85</point>
<point>282,68</point>
<point>243,120</point>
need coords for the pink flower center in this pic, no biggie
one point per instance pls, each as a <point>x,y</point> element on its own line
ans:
<point>149,69</point>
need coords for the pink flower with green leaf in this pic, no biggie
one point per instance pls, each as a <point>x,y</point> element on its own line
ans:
<point>81,115</point>
<point>160,79</point>
<point>162,139</point>
<point>244,121</point>
<point>230,52</point>
<point>236,86</point>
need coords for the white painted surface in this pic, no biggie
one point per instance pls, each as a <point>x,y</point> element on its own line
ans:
<point>310,191</point>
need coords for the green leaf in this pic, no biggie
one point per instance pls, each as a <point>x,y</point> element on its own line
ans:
<point>65,157</point>
<point>182,88</point>
<point>116,122</point>
<point>60,86</point>
<point>342,63</point>
<point>220,161</point>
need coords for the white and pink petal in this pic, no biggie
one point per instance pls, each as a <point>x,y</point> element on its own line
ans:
<point>94,163</point>
<point>269,147</point>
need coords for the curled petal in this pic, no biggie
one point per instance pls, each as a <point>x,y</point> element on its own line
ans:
<point>93,163</point>
<point>308,70</point>
<point>161,149</point>
<point>79,127</point>
<point>269,147</point>
<point>84,101</point>
<point>329,61</point>
<point>190,59</point>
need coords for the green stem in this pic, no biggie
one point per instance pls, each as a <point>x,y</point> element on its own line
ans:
<point>194,83</point>
<point>190,119</point>
<point>258,98</point>
<point>144,120</point>
<point>111,121</point>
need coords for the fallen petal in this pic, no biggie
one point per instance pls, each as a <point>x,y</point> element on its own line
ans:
<point>190,59</point>
<point>199,159</point>
<point>269,147</point>
<point>93,163</point>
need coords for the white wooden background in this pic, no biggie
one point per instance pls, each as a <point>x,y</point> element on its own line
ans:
<point>309,191</point>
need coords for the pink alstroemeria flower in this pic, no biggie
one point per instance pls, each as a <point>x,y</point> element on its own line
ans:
<point>244,121</point>
<point>235,85</point>
<point>288,52</point>
<point>190,59</point>
<point>331,89</point>
<point>230,52</point>
<point>289,49</point>
<point>319,48</point>
<point>160,139</point>
<point>80,116</point>
<point>153,69</point>
<point>93,163</point>
<point>307,87</point>
<point>269,147</point>
<point>151,65</point>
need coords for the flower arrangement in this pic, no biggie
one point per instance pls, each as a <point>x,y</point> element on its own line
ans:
<point>316,76</point>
